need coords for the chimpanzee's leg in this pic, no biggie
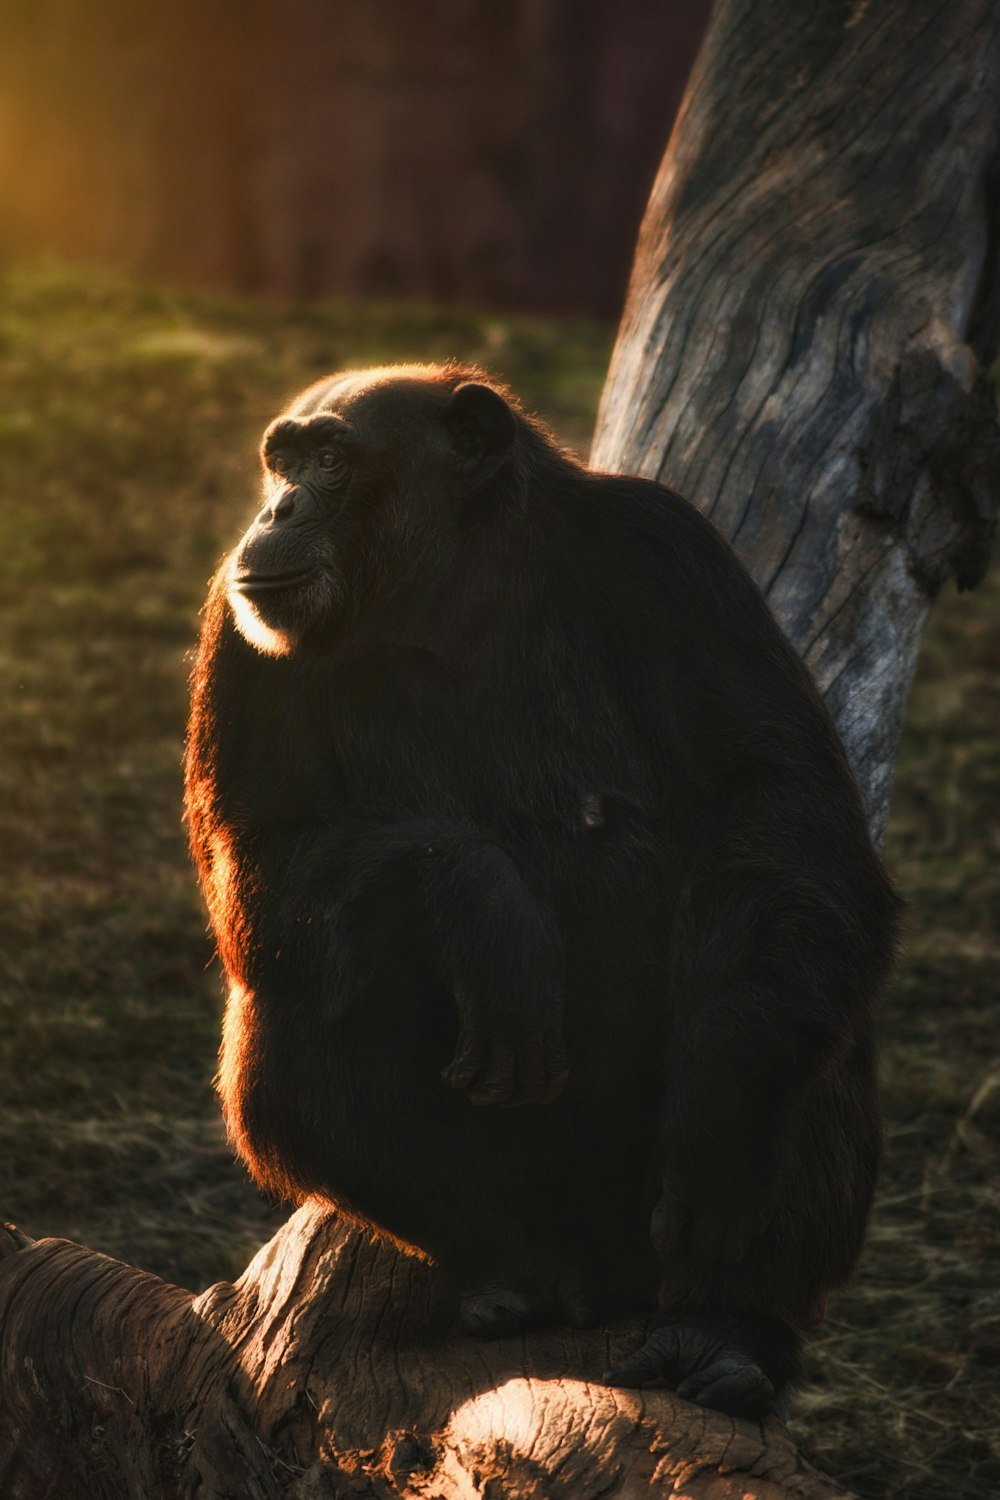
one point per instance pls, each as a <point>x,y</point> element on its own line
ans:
<point>729,1335</point>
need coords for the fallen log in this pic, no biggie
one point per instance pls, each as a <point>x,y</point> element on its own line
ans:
<point>333,1368</point>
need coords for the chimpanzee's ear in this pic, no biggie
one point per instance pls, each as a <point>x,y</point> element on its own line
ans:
<point>481,426</point>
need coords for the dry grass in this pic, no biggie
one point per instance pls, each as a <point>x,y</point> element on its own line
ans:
<point>904,1398</point>
<point>128,423</point>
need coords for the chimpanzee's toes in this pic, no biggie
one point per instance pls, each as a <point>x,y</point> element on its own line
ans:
<point>734,1384</point>
<point>578,1300</point>
<point>737,1365</point>
<point>657,1359</point>
<point>496,1311</point>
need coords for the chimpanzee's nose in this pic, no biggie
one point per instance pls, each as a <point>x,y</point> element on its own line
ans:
<point>284,507</point>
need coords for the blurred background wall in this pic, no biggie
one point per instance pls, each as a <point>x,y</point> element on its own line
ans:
<point>488,151</point>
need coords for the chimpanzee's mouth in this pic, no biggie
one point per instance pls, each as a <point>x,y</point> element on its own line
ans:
<point>262,583</point>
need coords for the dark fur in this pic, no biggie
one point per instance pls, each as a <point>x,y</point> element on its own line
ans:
<point>537,760</point>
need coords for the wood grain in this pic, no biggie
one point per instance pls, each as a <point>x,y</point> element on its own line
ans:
<point>812,312</point>
<point>333,1368</point>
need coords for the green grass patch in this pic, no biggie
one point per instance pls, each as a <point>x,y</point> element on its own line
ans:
<point>129,420</point>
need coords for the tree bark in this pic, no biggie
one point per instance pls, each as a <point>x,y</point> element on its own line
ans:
<point>815,300</point>
<point>812,311</point>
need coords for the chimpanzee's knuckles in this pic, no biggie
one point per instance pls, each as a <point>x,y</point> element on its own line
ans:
<point>495,1082</point>
<point>470,1054</point>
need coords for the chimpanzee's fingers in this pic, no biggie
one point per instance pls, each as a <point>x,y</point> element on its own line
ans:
<point>496,1085</point>
<point>656,1358</point>
<point>530,1083</point>
<point>470,1054</point>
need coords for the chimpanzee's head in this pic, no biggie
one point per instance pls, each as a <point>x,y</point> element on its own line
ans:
<point>361,468</point>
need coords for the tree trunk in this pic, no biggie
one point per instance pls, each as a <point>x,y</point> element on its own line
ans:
<point>814,300</point>
<point>812,311</point>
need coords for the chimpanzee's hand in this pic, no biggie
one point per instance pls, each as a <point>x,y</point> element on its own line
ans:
<point>514,1057</point>
<point>711,1212</point>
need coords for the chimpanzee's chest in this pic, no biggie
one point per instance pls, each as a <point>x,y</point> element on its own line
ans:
<point>541,735</point>
<point>542,757</point>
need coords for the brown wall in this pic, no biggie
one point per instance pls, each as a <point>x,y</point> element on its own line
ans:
<point>494,151</point>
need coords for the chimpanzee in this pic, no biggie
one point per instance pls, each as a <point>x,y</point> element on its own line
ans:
<point>551,922</point>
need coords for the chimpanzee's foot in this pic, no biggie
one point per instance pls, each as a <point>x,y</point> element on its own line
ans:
<point>740,1366</point>
<point>495,1311</point>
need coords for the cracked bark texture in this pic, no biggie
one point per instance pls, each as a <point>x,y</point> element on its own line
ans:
<point>811,319</point>
<point>814,303</point>
<point>332,1369</point>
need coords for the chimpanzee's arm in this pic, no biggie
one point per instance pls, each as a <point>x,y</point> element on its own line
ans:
<point>310,886</point>
<point>500,951</point>
<point>358,883</point>
<point>503,954</point>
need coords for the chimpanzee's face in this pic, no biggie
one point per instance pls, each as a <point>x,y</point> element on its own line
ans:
<point>358,466</point>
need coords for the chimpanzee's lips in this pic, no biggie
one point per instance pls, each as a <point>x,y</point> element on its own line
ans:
<point>262,583</point>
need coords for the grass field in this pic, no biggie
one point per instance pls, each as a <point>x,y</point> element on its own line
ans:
<point>128,426</point>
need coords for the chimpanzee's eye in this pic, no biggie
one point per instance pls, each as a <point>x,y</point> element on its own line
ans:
<point>279,464</point>
<point>328,459</point>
